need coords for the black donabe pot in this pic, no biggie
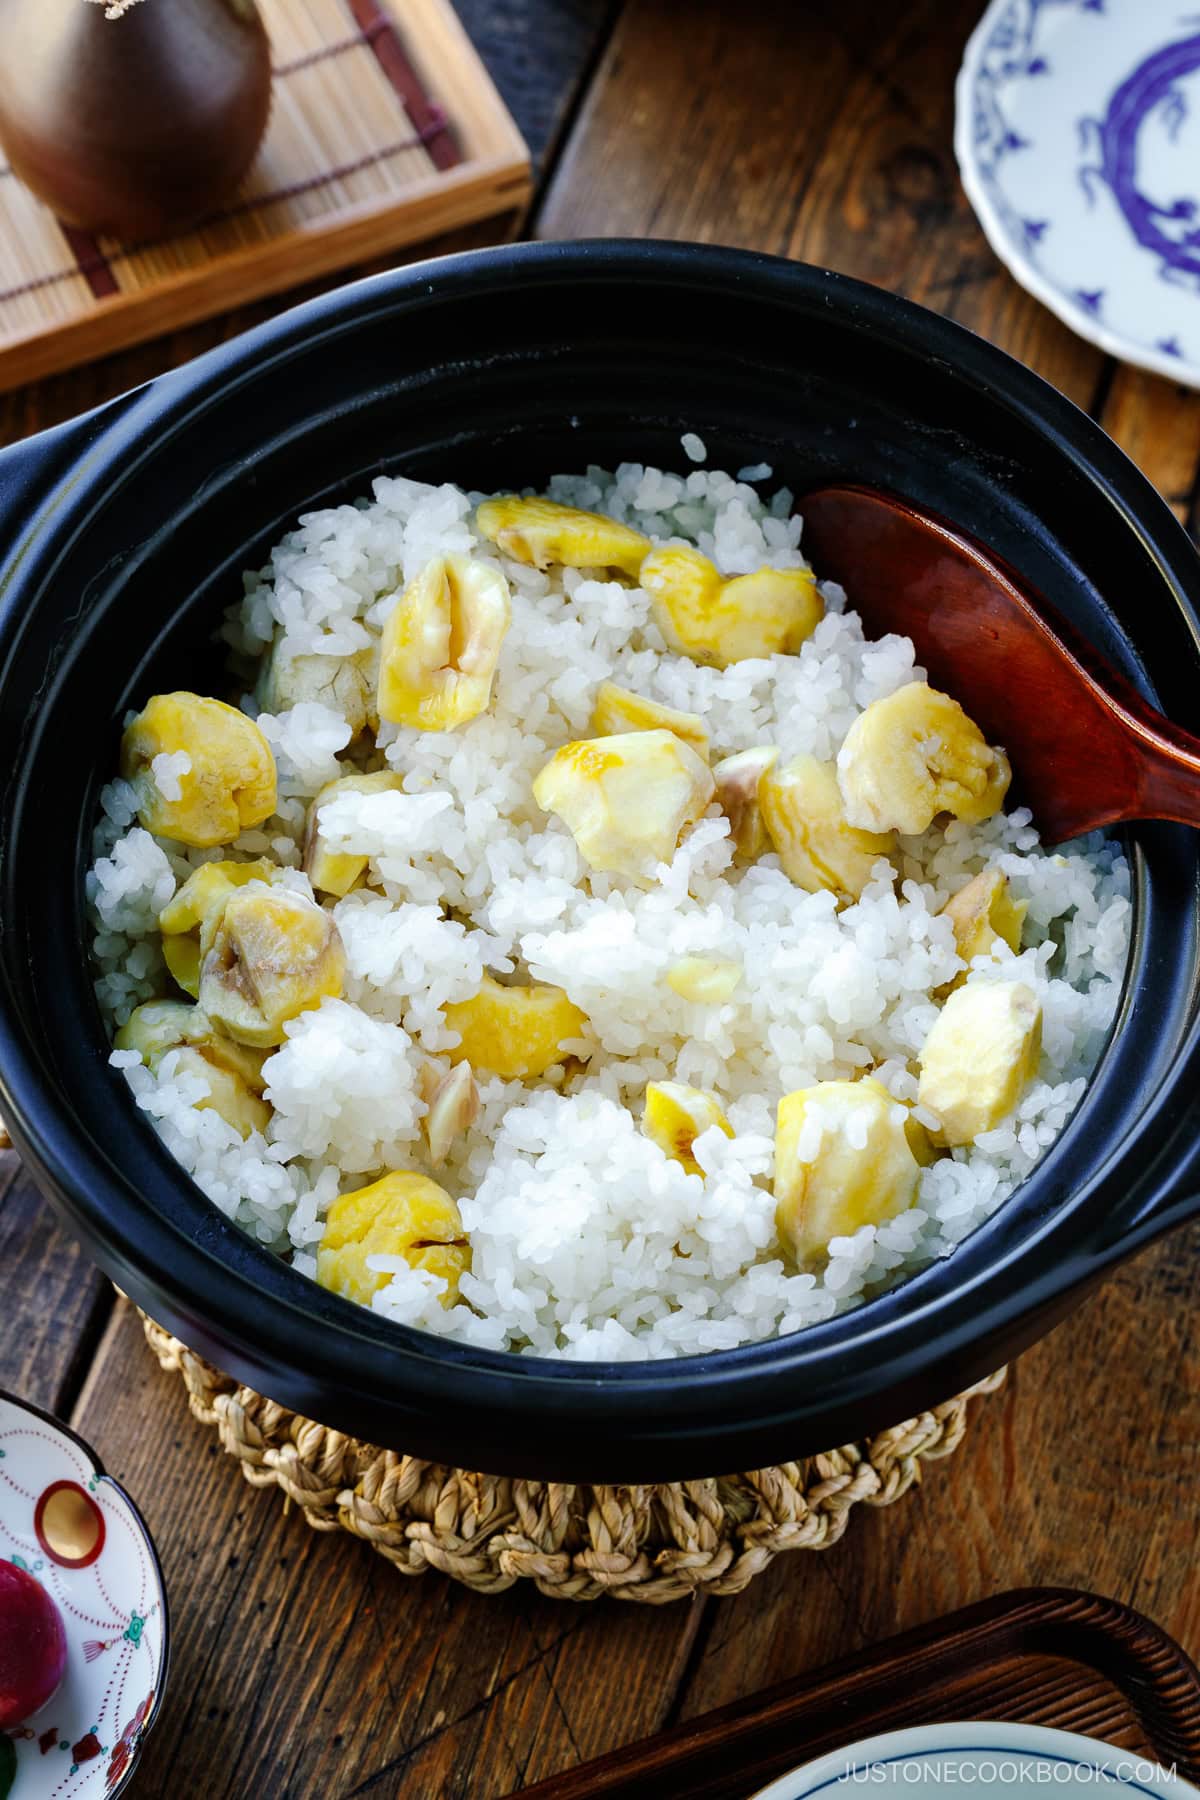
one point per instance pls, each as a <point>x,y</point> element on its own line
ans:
<point>124,534</point>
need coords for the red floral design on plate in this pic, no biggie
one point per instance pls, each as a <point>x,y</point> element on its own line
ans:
<point>125,1748</point>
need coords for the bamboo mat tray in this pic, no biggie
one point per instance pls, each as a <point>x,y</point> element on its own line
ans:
<point>385,130</point>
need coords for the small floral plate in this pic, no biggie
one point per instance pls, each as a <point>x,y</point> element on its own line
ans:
<point>1078,138</point>
<point>73,1528</point>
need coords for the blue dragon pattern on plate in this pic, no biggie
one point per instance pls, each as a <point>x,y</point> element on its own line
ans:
<point>1078,137</point>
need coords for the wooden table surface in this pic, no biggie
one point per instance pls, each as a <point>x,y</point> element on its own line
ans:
<point>303,1664</point>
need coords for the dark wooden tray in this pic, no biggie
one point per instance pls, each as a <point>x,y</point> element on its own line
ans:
<point>1038,1656</point>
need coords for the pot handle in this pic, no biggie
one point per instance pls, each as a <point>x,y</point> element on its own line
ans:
<point>32,467</point>
<point>1166,1198</point>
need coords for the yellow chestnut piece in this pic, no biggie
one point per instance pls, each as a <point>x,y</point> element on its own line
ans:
<point>207,886</point>
<point>805,820</point>
<point>979,1056</point>
<point>201,897</point>
<point>515,1032</point>
<point>983,914</point>
<point>182,957</point>
<point>158,1026</point>
<point>232,1072</point>
<point>684,587</point>
<point>920,1142</point>
<point>712,620</point>
<point>537,531</point>
<point>737,778</point>
<point>914,755</point>
<point>707,980</point>
<point>843,1159</point>
<point>272,954</point>
<point>229,784</point>
<point>332,871</point>
<point>618,710</point>
<point>625,799</point>
<point>228,1093</point>
<point>346,684</point>
<point>675,1116</point>
<point>402,1214</point>
<point>441,644</point>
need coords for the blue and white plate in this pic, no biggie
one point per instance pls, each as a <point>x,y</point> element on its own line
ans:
<point>1078,138</point>
<point>1000,1761</point>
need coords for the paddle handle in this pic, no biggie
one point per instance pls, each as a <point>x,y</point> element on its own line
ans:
<point>1087,750</point>
<point>1169,760</point>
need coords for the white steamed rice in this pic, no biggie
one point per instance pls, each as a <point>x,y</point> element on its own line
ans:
<point>586,1240</point>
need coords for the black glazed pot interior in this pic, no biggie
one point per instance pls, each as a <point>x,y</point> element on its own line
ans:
<point>128,538</point>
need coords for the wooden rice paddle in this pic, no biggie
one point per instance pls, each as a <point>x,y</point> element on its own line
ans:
<point>1086,749</point>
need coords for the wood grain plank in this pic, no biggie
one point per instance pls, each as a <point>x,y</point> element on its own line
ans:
<point>1158,424</point>
<point>539,56</point>
<point>303,1664</point>
<point>52,1301</point>
<point>821,132</point>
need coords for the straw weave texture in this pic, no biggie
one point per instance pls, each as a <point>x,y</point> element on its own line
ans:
<point>574,1542</point>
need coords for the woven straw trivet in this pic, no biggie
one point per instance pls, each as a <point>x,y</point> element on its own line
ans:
<point>653,1543</point>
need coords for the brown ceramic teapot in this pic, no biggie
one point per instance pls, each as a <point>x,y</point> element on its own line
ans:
<point>136,116</point>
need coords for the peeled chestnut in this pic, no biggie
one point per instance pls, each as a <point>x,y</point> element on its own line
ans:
<point>132,117</point>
